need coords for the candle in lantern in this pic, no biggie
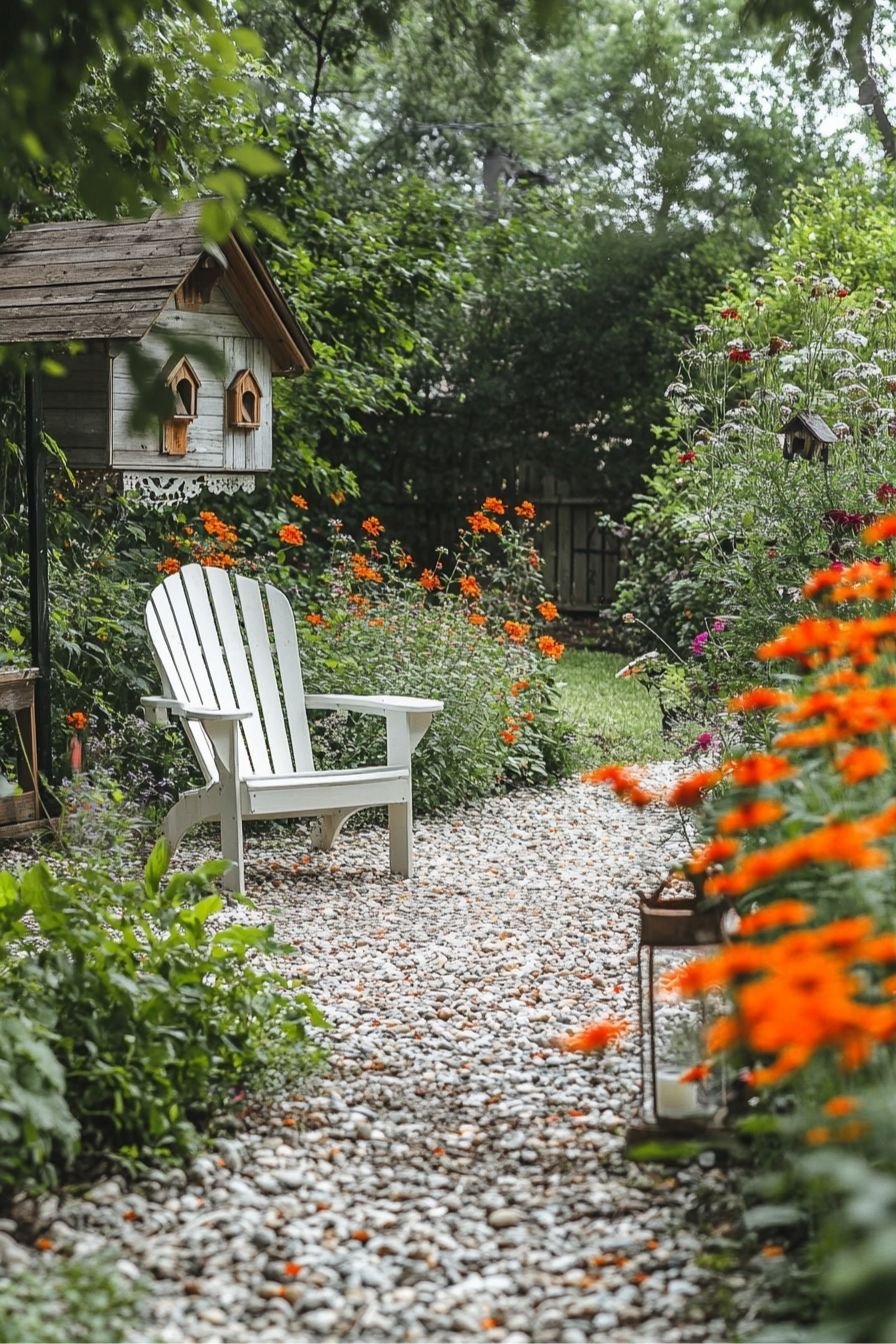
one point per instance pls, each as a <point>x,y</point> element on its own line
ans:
<point>674,1099</point>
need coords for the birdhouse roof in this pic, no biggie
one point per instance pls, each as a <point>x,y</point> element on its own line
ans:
<point>91,280</point>
<point>813,424</point>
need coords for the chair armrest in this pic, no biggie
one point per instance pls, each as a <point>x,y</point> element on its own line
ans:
<point>375,704</point>
<point>159,707</point>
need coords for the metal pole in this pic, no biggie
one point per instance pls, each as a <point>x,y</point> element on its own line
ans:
<point>38,570</point>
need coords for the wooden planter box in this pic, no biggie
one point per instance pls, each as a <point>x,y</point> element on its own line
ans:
<point>22,812</point>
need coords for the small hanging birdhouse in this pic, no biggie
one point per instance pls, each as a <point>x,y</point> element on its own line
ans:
<point>184,384</point>
<point>806,435</point>
<point>244,401</point>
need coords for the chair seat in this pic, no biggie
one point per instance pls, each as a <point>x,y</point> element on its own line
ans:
<point>361,775</point>
<point>320,790</point>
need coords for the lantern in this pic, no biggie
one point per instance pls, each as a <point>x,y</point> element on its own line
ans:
<point>674,919</point>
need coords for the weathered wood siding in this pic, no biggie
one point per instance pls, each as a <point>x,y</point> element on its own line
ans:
<point>76,409</point>
<point>211,446</point>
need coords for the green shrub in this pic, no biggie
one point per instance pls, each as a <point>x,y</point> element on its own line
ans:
<point>465,632</point>
<point>69,1302</point>
<point>152,1017</point>
<point>728,527</point>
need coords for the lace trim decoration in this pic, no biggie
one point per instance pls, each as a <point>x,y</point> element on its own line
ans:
<point>157,491</point>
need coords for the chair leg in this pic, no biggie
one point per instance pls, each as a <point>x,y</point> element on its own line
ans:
<point>232,844</point>
<point>325,828</point>
<point>401,839</point>
<point>190,809</point>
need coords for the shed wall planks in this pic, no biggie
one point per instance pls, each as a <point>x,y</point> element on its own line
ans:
<point>76,409</point>
<point>211,445</point>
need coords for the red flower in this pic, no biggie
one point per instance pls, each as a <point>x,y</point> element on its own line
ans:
<point>885,492</point>
<point>842,292</point>
<point>740,354</point>
<point>687,457</point>
<point>730,314</point>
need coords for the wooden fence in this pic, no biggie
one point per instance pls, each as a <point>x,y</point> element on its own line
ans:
<point>581,558</point>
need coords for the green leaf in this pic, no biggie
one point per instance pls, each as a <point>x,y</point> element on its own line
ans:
<point>256,160</point>
<point>156,866</point>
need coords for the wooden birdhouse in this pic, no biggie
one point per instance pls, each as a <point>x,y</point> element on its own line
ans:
<point>806,435</point>
<point>184,385</point>
<point>244,401</point>
<point>208,318</point>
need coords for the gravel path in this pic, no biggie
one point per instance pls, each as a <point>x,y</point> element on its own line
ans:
<point>452,1175</point>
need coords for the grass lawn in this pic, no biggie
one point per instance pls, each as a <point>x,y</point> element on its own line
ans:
<point>616,720</point>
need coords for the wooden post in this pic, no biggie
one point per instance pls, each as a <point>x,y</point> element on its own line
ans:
<point>38,570</point>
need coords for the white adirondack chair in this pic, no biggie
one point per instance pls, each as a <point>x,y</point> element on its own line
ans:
<point>229,663</point>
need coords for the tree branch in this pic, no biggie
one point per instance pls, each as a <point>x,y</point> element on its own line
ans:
<point>858,59</point>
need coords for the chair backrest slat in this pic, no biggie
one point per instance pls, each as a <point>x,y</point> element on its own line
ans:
<point>225,649</point>
<point>258,642</point>
<point>283,624</point>
<point>233,647</point>
<point>195,636</point>
<point>170,659</point>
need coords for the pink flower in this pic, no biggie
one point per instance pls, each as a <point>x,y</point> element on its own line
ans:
<point>699,643</point>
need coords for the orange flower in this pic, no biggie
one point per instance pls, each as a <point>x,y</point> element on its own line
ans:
<point>697,1074</point>
<point>840,1106</point>
<point>470,587</point>
<point>547,611</point>
<point>760,697</point>
<point>509,735</point>
<point>551,648</point>
<point>517,687</point>
<point>624,783</point>
<point>862,763</point>
<point>169,565</point>
<point>688,792</point>
<point>372,526</point>
<point>363,570</point>
<point>77,719</point>
<point>291,535</point>
<point>881,530</point>
<point>338,497</point>
<point>761,768</point>
<point>761,812</point>
<point>525,509</point>
<point>299,500</point>
<point>480,522</point>
<point>528,717</point>
<point>817,1135</point>
<point>774,916</point>
<point>429,580</point>
<point>715,851</point>
<point>315,618</point>
<point>216,528</point>
<point>291,1269</point>
<point>477,618</point>
<point>403,560</point>
<point>516,631</point>
<point>493,505</point>
<point>217,560</point>
<point>597,1036</point>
